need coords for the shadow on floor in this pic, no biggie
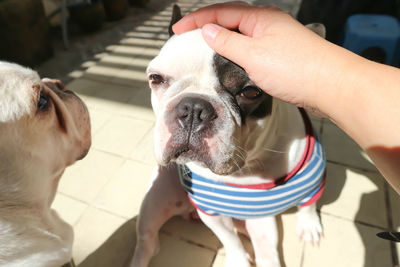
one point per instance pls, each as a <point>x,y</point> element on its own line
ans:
<point>84,46</point>
<point>117,250</point>
<point>335,184</point>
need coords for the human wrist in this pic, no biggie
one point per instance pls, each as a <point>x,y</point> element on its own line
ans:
<point>356,95</point>
<point>336,82</point>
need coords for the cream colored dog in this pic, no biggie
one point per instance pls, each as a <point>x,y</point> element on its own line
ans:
<point>43,129</point>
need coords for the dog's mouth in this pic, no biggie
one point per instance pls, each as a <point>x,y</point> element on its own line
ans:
<point>200,155</point>
<point>184,150</point>
<point>183,154</point>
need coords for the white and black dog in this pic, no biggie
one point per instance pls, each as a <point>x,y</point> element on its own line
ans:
<point>236,152</point>
<point>43,129</point>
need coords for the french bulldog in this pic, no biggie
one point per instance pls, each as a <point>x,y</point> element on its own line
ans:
<point>228,149</point>
<point>43,129</point>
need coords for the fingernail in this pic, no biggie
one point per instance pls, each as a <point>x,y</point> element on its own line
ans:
<point>174,28</point>
<point>210,31</point>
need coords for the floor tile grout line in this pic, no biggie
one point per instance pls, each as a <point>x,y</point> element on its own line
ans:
<point>352,166</point>
<point>72,197</point>
<point>113,213</point>
<point>91,203</point>
<point>187,240</point>
<point>101,127</point>
<point>81,215</point>
<point>87,206</point>
<point>302,255</point>
<point>123,157</point>
<point>145,135</point>
<point>395,256</point>
<point>108,180</point>
<point>355,221</point>
<point>213,260</point>
<point>135,147</point>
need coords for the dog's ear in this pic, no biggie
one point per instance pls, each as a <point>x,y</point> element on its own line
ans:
<point>176,16</point>
<point>318,28</point>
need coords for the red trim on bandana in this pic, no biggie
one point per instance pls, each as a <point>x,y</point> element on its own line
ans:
<point>197,207</point>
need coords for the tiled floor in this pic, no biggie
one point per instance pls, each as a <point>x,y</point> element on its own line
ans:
<point>101,195</point>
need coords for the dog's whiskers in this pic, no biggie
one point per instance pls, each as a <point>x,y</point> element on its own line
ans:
<point>275,151</point>
<point>259,162</point>
<point>239,151</point>
<point>237,141</point>
<point>240,155</point>
<point>237,165</point>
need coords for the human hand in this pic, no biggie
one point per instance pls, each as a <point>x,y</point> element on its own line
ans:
<point>292,63</point>
<point>280,55</point>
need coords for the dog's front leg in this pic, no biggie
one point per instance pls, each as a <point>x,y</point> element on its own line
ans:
<point>309,228</point>
<point>223,228</point>
<point>264,237</point>
<point>165,198</point>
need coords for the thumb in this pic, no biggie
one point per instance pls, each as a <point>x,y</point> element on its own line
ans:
<point>229,44</point>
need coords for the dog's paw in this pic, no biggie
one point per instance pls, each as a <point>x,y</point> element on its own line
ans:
<point>237,260</point>
<point>309,228</point>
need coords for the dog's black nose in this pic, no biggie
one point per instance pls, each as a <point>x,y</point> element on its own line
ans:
<point>194,113</point>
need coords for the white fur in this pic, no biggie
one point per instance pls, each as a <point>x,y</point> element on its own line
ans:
<point>34,153</point>
<point>16,99</point>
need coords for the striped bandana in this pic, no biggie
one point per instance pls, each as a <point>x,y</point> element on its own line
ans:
<point>301,187</point>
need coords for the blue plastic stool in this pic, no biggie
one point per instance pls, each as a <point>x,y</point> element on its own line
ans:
<point>373,36</point>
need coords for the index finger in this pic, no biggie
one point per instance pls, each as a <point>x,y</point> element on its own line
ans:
<point>232,15</point>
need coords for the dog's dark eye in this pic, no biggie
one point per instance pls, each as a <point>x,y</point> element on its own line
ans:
<point>156,79</point>
<point>43,102</point>
<point>250,92</point>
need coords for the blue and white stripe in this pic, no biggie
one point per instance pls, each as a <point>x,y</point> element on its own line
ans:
<point>216,198</point>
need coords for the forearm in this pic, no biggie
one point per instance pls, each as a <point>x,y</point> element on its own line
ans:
<point>366,105</point>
